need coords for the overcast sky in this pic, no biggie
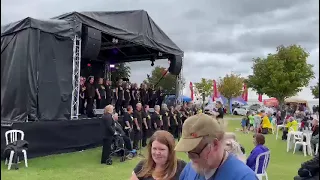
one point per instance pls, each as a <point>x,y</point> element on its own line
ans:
<point>217,36</point>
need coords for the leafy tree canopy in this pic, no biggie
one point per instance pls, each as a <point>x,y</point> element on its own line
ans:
<point>315,90</point>
<point>168,83</point>
<point>231,86</point>
<point>205,86</point>
<point>282,74</point>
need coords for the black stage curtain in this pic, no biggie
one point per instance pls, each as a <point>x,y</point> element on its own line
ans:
<point>18,75</point>
<point>54,137</point>
<point>55,76</point>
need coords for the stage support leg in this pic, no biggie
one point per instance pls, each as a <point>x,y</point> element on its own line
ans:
<point>76,78</point>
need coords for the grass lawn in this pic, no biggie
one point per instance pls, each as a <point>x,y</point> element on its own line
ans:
<point>86,165</point>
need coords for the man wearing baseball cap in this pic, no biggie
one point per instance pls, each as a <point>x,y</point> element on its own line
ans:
<point>201,139</point>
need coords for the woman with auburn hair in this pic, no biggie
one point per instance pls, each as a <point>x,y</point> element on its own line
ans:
<point>161,162</point>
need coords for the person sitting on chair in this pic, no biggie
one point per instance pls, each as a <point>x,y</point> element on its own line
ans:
<point>258,141</point>
<point>126,139</point>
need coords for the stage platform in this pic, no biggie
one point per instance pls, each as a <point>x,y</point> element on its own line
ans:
<point>55,137</point>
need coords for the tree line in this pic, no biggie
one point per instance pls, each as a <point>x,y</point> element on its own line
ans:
<point>280,75</point>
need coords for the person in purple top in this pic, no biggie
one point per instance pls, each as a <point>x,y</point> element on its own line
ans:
<point>258,141</point>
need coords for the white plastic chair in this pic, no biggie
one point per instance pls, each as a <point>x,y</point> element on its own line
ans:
<point>297,135</point>
<point>12,136</point>
<point>305,145</point>
<point>265,164</point>
<point>317,149</point>
<point>278,128</point>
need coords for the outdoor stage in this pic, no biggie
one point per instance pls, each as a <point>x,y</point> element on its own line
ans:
<point>55,137</point>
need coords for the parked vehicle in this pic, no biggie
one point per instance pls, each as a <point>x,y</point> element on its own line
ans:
<point>242,110</point>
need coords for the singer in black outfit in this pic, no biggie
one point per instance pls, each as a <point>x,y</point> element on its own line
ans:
<point>108,129</point>
<point>127,98</point>
<point>180,123</point>
<point>82,96</point>
<point>137,125</point>
<point>160,96</point>
<point>134,95</point>
<point>156,119</point>
<point>152,97</point>
<point>101,95</point>
<point>128,121</point>
<point>119,96</point>
<point>146,125</point>
<point>144,95</point>
<point>109,92</point>
<point>173,121</point>
<point>165,118</point>
<point>91,92</point>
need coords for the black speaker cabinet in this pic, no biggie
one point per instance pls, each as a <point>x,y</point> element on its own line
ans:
<point>175,65</point>
<point>91,43</point>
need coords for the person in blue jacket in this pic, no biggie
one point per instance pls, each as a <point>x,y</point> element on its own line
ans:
<point>258,141</point>
<point>203,140</point>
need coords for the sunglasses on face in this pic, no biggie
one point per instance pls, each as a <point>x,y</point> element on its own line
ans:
<point>196,155</point>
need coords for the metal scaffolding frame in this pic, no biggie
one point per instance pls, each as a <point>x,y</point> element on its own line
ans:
<point>179,87</point>
<point>76,69</point>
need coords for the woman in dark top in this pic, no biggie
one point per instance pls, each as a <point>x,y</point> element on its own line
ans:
<point>160,96</point>
<point>82,94</point>
<point>127,98</point>
<point>151,97</point>
<point>134,95</point>
<point>173,121</point>
<point>165,117</point>
<point>101,91</point>
<point>144,94</point>
<point>160,154</point>
<point>119,96</point>
<point>109,92</point>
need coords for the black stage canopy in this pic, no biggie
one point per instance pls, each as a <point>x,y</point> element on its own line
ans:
<point>134,26</point>
<point>36,58</point>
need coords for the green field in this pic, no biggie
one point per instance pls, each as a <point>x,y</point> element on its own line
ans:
<point>86,165</point>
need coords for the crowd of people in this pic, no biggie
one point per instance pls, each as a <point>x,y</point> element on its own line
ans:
<point>214,153</point>
<point>121,95</point>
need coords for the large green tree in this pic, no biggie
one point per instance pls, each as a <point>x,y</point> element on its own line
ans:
<point>121,70</point>
<point>315,90</point>
<point>231,86</point>
<point>282,74</point>
<point>168,83</point>
<point>204,86</point>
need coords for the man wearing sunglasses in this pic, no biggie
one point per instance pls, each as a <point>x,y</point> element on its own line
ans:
<point>202,139</point>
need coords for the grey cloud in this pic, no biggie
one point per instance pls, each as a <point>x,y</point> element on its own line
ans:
<point>246,27</point>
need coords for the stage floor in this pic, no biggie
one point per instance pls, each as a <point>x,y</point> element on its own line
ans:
<point>55,137</point>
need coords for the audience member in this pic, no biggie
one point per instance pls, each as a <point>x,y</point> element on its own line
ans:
<point>108,127</point>
<point>161,161</point>
<point>202,138</point>
<point>258,141</point>
<point>234,148</point>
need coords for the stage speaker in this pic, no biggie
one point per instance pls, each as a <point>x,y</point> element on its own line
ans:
<point>91,43</point>
<point>175,65</point>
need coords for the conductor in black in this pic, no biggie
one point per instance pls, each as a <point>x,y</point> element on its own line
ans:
<point>108,127</point>
<point>137,125</point>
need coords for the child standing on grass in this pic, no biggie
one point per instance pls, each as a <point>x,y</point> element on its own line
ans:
<point>251,121</point>
<point>245,123</point>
